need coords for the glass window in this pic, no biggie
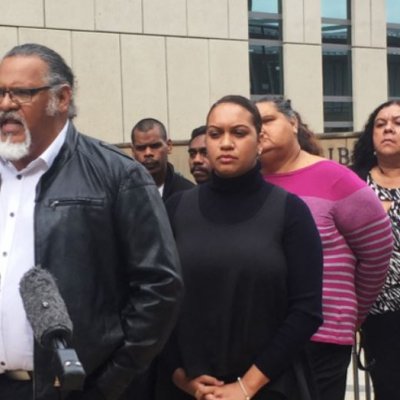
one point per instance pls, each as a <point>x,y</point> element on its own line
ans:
<point>265,47</point>
<point>266,69</point>
<point>337,129</point>
<point>336,72</point>
<point>268,6</point>
<point>393,11</point>
<point>393,44</point>
<point>265,29</point>
<point>336,34</point>
<point>338,111</point>
<point>393,36</point>
<point>393,74</point>
<point>336,65</point>
<point>338,9</point>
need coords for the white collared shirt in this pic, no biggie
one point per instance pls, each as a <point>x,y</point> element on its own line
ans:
<point>17,202</point>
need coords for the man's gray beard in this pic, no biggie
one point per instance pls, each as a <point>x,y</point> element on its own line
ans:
<point>15,151</point>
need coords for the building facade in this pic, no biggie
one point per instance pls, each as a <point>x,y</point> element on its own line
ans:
<point>171,59</point>
<point>336,60</point>
<point>167,59</point>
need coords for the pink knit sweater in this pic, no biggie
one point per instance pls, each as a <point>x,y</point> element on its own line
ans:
<point>357,243</point>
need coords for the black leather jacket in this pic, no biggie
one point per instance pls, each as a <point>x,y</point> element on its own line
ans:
<point>102,231</point>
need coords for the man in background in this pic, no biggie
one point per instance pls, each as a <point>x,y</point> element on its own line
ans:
<point>199,164</point>
<point>151,146</point>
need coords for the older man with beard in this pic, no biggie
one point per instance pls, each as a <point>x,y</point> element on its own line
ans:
<point>93,218</point>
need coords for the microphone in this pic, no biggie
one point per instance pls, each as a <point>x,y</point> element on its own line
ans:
<point>51,325</point>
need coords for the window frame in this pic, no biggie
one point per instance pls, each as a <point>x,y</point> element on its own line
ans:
<point>345,47</point>
<point>391,50</point>
<point>267,42</point>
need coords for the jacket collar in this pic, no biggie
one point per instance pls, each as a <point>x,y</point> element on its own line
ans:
<point>66,152</point>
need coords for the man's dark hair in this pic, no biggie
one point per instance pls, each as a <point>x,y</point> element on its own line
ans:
<point>201,130</point>
<point>364,156</point>
<point>59,72</point>
<point>145,124</point>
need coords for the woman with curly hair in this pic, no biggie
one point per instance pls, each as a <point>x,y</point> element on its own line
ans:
<point>377,160</point>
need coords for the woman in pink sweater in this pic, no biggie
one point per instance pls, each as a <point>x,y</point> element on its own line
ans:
<point>355,232</point>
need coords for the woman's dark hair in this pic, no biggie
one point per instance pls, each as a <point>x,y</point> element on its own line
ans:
<point>364,153</point>
<point>306,137</point>
<point>246,104</point>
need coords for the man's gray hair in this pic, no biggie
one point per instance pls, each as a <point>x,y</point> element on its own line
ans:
<point>59,72</point>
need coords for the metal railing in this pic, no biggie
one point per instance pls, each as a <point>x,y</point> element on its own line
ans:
<point>362,387</point>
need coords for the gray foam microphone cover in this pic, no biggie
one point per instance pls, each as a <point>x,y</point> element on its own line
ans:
<point>45,308</point>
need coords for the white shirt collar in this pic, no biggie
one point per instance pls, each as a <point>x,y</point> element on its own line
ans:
<point>52,151</point>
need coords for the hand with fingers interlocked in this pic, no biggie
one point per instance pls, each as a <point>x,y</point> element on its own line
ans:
<point>207,387</point>
<point>229,391</point>
<point>201,387</point>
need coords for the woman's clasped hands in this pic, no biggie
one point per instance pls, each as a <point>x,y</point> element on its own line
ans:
<point>206,387</point>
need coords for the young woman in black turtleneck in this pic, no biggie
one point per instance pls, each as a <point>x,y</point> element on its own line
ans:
<point>251,260</point>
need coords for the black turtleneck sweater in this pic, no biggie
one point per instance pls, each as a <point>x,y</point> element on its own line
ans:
<point>252,266</point>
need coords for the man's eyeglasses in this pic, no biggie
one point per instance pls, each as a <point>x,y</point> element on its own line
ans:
<point>21,95</point>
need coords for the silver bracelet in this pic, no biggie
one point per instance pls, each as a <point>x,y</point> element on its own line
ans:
<point>246,395</point>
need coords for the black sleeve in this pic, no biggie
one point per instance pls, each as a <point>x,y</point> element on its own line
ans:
<point>153,276</point>
<point>302,246</point>
<point>172,205</point>
<point>170,356</point>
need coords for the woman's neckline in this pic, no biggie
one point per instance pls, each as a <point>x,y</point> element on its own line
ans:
<point>246,182</point>
<point>383,181</point>
<point>298,170</point>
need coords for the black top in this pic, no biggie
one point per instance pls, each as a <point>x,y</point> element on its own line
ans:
<point>174,182</point>
<point>252,265</point>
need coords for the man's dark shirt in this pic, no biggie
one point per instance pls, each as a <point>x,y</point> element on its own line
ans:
<point>174,182</point>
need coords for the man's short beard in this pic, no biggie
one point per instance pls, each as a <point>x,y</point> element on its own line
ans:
<point>16,151</point>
